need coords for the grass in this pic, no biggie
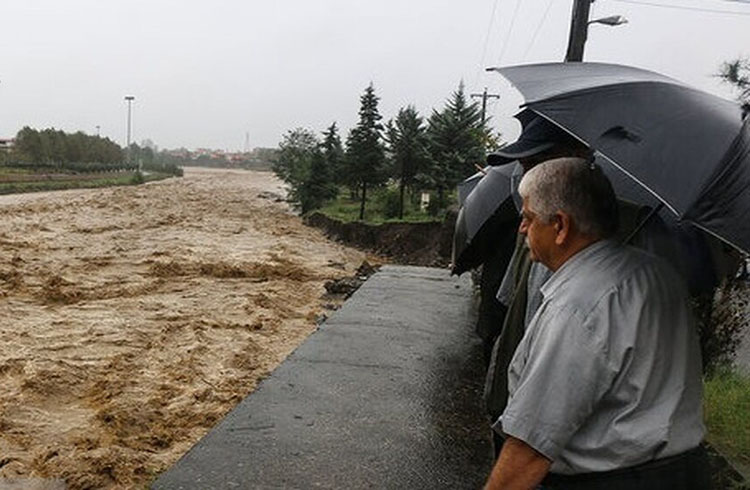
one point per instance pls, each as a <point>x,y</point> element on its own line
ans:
<point>381,207</point>
<point>12,171</point>
<point>54,185</point>
<point>727,411</point>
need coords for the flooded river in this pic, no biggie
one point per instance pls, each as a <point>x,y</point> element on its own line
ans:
<point>135,317</point>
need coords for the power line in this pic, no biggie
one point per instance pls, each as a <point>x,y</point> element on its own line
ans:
<point>486,42</point>
<point>538,28</point>
<point>684,7</point>
<point>507,34</point>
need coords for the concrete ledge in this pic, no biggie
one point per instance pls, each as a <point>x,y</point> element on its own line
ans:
<point>386,394</point>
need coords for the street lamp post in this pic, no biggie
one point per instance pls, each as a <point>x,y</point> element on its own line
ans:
<point>579,26</point>
<point>129,99</point>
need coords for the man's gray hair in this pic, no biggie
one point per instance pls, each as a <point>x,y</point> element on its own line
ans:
<point>576,187</point>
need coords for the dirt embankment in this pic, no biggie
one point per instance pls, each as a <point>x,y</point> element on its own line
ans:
<point>134,318</point>
<point>426,244</point>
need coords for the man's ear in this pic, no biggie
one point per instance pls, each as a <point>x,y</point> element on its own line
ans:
<point>562,224</point>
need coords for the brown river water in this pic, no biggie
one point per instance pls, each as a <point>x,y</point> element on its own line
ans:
<point>133,318</point>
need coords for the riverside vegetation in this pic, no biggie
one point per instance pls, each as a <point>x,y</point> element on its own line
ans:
<point>53,160</point>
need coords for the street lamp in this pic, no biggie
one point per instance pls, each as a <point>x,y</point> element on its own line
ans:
<point>612,20</point>
<point>579,27</point>
<point>129,99</point>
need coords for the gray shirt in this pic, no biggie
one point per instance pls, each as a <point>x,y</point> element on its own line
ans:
<point>608,374</point>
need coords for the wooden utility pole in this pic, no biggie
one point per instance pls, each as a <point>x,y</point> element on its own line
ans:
<point>579,24</point>
<point>484,95</point>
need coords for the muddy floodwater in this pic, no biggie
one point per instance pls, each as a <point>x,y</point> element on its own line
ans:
<point>133,318</point>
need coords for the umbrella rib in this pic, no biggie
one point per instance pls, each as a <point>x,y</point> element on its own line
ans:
<point>614,163</point>
<point>640,226</point>
<point>713,234</point>
<point>647,188</point>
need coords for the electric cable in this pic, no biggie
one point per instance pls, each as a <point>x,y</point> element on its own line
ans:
<point>508,33</point>
<point>538,28</point>
<point>684,7</point>
<point>486,43</point>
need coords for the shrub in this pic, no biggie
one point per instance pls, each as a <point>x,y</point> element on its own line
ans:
<point>391,202</point>
<point>137,178</point>
<point>722,320</point>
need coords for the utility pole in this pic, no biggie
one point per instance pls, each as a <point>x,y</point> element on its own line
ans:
<point>129,99</point>
<point>97,130</point>
<point>579,24</point>
<point>484,95</point>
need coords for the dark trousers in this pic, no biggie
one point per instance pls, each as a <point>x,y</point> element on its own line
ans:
<point>686,471</point>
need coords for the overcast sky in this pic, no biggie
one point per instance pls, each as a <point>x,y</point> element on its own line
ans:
<point>206,73</point>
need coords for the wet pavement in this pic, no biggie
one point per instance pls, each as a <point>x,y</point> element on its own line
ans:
<point>386,394</point>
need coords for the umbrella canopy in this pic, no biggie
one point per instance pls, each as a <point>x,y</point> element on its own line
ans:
<point>467,185</point>
<point>487,209</point>
<point>685,148</point>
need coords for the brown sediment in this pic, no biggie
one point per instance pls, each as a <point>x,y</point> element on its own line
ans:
<point>136,317</point>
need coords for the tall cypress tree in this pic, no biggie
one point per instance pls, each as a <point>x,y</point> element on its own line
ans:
<point>407,145</point>
<point>365,152</point>
<point>318,187</point>
<point>456,142</point>
<point>333,153</point>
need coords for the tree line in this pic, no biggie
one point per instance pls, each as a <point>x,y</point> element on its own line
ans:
<point>417,154</point>
<point>55,150</point>
<point>51,146</point>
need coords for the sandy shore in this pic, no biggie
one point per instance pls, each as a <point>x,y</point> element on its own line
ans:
<point>134,318</point>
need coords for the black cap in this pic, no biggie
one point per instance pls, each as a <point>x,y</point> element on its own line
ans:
<point>538,135</point>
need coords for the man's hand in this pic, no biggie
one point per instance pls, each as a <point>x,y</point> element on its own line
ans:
<point>519,467</point>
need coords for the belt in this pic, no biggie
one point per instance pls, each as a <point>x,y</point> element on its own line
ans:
<point>554,480</point>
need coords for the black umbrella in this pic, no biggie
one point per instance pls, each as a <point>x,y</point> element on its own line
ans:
<point>465,187</point>
<point>686,149</point>
<point>487,210</point>
<point>488,218</point>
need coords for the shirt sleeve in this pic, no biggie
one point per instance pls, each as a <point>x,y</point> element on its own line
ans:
<point>565,373</point>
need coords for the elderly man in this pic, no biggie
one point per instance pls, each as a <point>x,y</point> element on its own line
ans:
<point>605,386</point>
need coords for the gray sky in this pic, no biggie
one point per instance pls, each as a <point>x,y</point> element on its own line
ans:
<point>205,73</point>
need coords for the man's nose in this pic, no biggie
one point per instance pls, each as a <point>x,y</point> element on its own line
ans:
<point>523,227</point>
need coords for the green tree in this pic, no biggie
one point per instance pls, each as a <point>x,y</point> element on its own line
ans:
<point>457,137</point>
<point>52,146</point>
<point>365,152</point>
<point>407,146</point>
<point>318,187</point>
<point>302,165</point>
<point>295,156</point>
<point>333,153</point>
<point>28,145</point>
<point>737,73</point>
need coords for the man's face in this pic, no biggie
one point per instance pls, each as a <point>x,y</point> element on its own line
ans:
<point>540,236</point>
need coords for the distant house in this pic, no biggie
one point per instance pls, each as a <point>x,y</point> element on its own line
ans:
<point>6,144</point>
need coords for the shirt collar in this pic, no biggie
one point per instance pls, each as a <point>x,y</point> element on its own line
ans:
<point>571,266</point>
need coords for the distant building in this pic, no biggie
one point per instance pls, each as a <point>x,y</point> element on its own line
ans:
<point>6,144</point>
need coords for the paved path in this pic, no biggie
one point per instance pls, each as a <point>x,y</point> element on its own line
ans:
<point>387,394</point>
